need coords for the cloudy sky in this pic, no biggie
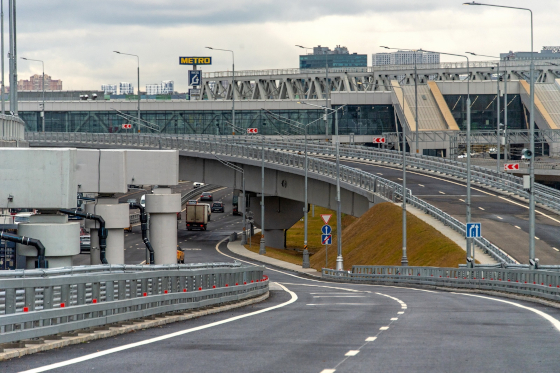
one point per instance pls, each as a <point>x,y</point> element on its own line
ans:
<point>76,38</point>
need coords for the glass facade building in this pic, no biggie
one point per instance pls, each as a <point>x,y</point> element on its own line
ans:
<point>318,61</point>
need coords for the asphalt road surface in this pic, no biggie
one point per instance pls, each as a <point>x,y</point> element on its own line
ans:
<point>315,326</point>
<point>505,220</point>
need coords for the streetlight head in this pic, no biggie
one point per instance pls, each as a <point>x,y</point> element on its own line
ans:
<point>300,46</point>
<point>23,58</point>
<point>474,54</point>
<point>473,3</point>
<point>117,52</point>
<point>382,46</point>
<point>209,48</point>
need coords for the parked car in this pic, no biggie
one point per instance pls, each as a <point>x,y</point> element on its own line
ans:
<point>206,196</point>
<point>192,202</point>
<point>197,184</point>
<point>218,207</point>
<point>22,217</point>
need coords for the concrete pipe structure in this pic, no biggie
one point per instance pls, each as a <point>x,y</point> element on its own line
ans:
<point>163,207</point>
<point>116,216</point>
<point>60,238</point>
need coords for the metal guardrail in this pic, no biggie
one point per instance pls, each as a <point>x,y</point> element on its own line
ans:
<point>537,283</point>
<point>11,128</point>
<point>196,191</point>
<point>251,150</point>
<point>57,302</point>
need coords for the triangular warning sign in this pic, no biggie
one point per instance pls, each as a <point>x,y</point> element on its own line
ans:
<point>326,218</point>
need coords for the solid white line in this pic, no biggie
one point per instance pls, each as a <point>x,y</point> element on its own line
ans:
<point>527,207</point>
<point>293,298</point>
<point>342,304</point>
<point>352,353</point>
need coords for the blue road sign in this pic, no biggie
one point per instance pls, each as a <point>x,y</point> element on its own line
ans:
<point>474,230</point>
<point>326,229</point>
<point>326,239</point>
<point>195,77</point>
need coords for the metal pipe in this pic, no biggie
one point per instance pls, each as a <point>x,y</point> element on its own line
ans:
<point>305,263</point>
<point>101,232</point>
<point>41,261</point>
<point>339,260</point>
<point>404,259</point>
<point>144,227</point>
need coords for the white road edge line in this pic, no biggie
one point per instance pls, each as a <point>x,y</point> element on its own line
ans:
<point>293,298</point>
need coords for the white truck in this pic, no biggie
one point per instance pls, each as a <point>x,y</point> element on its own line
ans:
<point>197,216</point>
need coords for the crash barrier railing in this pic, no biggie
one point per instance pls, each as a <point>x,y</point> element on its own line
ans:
<point>229,146</point>
<point>538,283</point>
<point>37,305</point>
<point>11,128</point>
<point>197,191</point>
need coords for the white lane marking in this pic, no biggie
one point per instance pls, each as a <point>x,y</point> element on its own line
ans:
<point>536,238</point>
<point>527,207</point>
<point>421,185</point>
<point>329,293</point>
<point>555,249</point>
<point>481,208</point>
<point>394,318</point>
<point>462,200</point>
<point>293,298</point>
<point>518,227</point>
<point>545,316</point>
<point>400,312</point>
<point>143,262</point>
<point>342,304</point>
<point>328,371</point>
<point>379,173</point>
<point>399,178</point>
<point>339,296</point>
<point>371,339</point>
<point>352,353</point>
<point>384,328</point>
<point>499,217</point>
<point>441,192</point>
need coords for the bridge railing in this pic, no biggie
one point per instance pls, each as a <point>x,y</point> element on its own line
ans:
<point>251,149</point>
<point>537,283</point>
<point>38,303</point>
<point>11,128</point>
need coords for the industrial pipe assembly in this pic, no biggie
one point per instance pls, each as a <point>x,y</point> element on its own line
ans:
<point>144,227</point>
<point>101,232</point>
<point>41,261</point>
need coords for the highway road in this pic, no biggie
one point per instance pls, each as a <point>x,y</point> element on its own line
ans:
<point>308,325</point>
<point>505,220</point>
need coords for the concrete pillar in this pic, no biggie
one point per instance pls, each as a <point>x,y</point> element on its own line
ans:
<point>60,238</point>
<point>279,214</point>
<point>116,218</point>
<point>163,207</point>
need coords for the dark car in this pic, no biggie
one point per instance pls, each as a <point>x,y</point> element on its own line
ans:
<point>206,196</point>
<point>217,207</point>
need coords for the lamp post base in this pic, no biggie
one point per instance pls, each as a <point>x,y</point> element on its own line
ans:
<point>243,237</point>
<point>404,261</point>
<point>305,263</point>
<point>339,263</point>
<point>262,248</point>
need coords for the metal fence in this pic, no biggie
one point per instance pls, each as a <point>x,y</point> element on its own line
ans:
<point>245,147</point>
<point>538,283</point>
<point>37,303</point>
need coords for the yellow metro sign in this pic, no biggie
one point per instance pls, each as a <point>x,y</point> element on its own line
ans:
<point>195,60</point>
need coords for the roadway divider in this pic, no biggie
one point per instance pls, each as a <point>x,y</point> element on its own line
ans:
<point>39,303</point>
<point>537,283</point>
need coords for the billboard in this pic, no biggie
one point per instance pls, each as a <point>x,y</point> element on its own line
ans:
<point>195,60</point>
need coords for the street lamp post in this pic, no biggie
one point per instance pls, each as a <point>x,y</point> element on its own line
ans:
<point>532,262</point>
<point>327,89</point>
<point>498,136</point>
<point>233,88</point>
<point>42,111</point>
<point>415,91</point>
<point>138,75</point>
<point>470,248</point>
<point>262,247</point>
<point>2,52</point>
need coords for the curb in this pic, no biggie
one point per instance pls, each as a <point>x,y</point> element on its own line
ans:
<point>10,353</point>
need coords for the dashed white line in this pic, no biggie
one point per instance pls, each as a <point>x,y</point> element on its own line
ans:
<point>352,353</point>
<point>399,178</point>
<point>328,371</point>
<point>384,328</point>
<point>421,185</point>
<point>400,312</point>
<point>441,192</point>
<point>379,173</point>
<point>462,200</point>
<point>536,238</point>
<point>555,249</point>
<point>499,217</point>
<point>481,208</point>
<point>371,339</point>
<point>518,227</point>
<point>394,318</point>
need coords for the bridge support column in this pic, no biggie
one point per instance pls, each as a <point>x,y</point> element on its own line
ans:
<point>280,214</point>
<point>163,207</point>
<point>117,217</point>
<point>60,238</point>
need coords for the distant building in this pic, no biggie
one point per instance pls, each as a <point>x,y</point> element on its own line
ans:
<point>35,83</point>
<point>109,89</point>
<point>153,89</point>
<point>404,58</point>
<point>339,57</point>
<point>164,88</point>
<point>547,53</point>
<point>126,88</point>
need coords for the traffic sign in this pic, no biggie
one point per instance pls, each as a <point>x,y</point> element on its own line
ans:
<point>194,92</point>
<point>195,77</point>
<point>378,140</point>
<point>326,239</point>
<point>326,229</point>
<point>474,230</point>
<point>326,218</point>
<point>252,130</point>
<point>126,126</point>
<point>511,166</point>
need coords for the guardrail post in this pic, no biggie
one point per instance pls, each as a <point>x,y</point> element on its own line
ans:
<point>47,302</point>
<point>10,304</point>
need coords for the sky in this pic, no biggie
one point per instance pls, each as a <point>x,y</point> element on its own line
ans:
<point>76,39</point>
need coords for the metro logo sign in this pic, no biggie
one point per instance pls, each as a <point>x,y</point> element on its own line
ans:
<point>511,166</point>
<point>378,140</point>
<point>252,130</point>
<point>195,60</point>
<point>126,126</point>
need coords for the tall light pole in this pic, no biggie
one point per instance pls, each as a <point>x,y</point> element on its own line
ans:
<point>138,60</point>
<point>415,90</point>
<point>233,88</point>
<point>470,248</point>
<point>327,88</point>
<point>498,136</point>
<point>42,111</point>
<point>13,56</point>
<point>531,137</point>
<point>2,52</point>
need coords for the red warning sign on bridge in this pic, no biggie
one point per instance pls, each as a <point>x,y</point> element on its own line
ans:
<point>252,130</point>
<point>126,126</point>
<point>379,140</point>
<point>511,166</point>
